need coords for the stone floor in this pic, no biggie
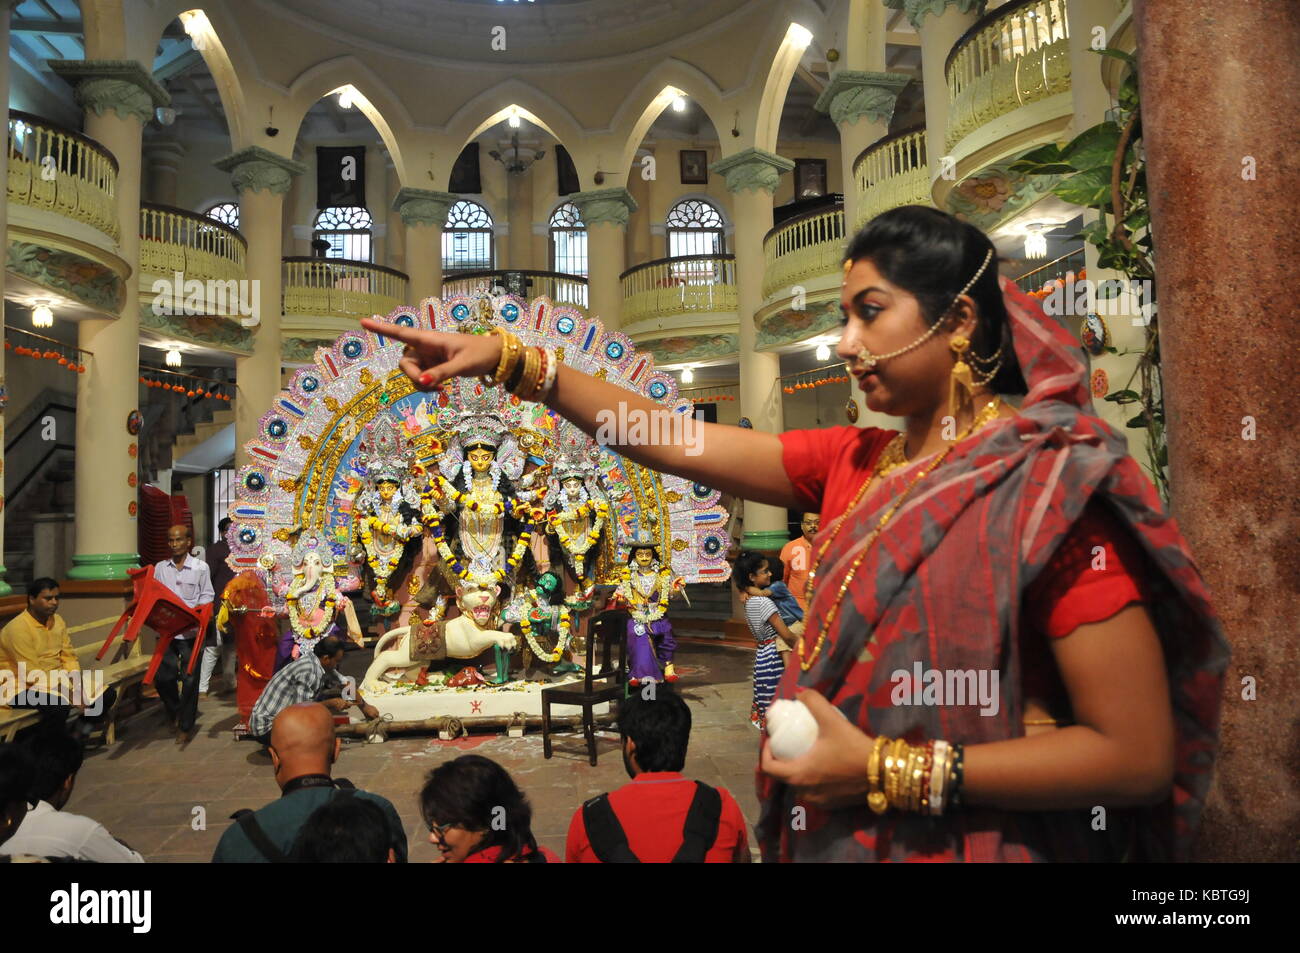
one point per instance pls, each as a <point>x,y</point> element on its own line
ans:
<point>147,790</point>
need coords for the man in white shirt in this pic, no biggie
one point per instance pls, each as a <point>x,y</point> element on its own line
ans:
<point>190,579</point>
<point>46,830</point>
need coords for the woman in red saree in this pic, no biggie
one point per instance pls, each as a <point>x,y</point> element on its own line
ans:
<point>1020,552</point>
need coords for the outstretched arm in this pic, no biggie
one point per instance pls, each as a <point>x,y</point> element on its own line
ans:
<point>742,462</point>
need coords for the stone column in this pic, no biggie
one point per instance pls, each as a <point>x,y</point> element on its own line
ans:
<point>262,179</point>
<point>163,167</point>
<point>1219,112</point>
<point>752,177</point>
<point>519,213</point>
<point>6,10</point>
<point>424,213</point>
<point>1091,102</point>
<point>119,98</point>
<point>939,31</point>
<point>606,213</point>
<point>861,103</point>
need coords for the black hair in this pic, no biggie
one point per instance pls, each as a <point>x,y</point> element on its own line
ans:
<point>747,563</point>
<point>636,548</point>
<point>56,756</point>
<point>471,792</point>
<point>775,564</point>
<point>660,727</point>
<point>17,769</point>
<point>328,647</point>
<point>932,255</point>
<point>39,585</point>
<point>344,830</point>
<point>224,525</point>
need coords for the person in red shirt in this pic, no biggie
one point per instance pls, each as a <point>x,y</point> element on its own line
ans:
<point>660,817</point>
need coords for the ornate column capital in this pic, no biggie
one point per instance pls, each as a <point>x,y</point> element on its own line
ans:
<point>605,206</point>
<point>752,169</point>
<point>423,206</point>
<point>852,94</point>
<point>917,9</point>
<point>256,169</point>
<point>164,152</point>
<point>124,86</point>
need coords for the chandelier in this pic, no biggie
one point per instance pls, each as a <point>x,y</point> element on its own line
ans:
<point>514,158</point>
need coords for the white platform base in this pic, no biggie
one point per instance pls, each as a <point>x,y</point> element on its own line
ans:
<point>404,702</point>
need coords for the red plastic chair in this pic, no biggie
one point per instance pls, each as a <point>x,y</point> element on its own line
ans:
<point>156,606</point>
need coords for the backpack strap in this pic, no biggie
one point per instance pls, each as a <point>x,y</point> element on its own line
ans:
<point>604,832</point>
<point>257,837</point>
<point>701,828</point>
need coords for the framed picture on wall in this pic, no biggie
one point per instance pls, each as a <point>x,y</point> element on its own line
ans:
<point>809,178</point>
<point>695,166</point>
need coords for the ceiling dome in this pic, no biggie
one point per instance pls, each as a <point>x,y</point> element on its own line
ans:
<point>540,32</point>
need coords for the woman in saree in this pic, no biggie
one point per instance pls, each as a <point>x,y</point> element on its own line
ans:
<point>1017,548</point>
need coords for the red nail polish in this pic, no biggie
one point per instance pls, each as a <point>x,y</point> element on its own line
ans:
<point>426,379</point>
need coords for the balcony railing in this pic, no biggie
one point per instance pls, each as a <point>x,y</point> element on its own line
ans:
<point>801,249</point>
<point>173,240</point>
<point>559,287</point>
<point>54,168</point>
<point>890,172</point>
<point>340,287</point>
<point>1015,55</point>
<point>690,284</point>
<point>1066,268</point>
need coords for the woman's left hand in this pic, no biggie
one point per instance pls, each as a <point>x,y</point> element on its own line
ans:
<point>833,772</point>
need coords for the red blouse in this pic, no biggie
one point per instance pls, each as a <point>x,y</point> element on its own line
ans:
<point>1077,587</point>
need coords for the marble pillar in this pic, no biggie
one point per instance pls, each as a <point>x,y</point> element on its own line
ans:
<point>940,23</point>
<point>119,97</point>
<point>605,213</point>
<point>424,213</point>
<point>752,176</point>
<point>162,170</point>
<point>1219,114</point>
<point>261,178</point>
<point>861,103</point>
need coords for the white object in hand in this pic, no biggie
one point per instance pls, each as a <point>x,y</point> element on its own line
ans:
<point>791,729</point>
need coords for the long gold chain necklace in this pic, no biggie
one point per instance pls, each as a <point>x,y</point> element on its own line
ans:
<point>982,418</point>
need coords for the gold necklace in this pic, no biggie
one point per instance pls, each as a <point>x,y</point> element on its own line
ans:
<point>983,417</point>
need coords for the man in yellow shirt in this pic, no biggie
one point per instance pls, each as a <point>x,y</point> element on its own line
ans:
<point>36,645</point>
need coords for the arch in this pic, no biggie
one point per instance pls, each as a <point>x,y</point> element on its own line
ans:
<point>539,108</point>
<point>566,237</point>
<point>350,232</point>
<point>374,98</point>
<point>227,213</point>
<point>796,39</point>
<point>652,95</point>
<point>226,63</point>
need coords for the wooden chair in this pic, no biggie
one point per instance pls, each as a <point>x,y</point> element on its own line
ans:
<point>156,606</point>
<point>609,685</point>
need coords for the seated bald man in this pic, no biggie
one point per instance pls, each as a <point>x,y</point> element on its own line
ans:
<point>303,750</point>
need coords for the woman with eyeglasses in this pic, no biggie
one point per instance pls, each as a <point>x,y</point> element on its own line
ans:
<point>477,815</point>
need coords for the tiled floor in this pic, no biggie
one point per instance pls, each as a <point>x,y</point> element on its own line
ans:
<point>172,803</point>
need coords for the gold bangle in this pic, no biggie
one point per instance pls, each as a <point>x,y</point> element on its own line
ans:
<point>513,349</point>
<point>909,779</point>
<point>536,388</point>
<point>895,771</point>
<point>876,799</point>
<point>529,375</point>
<point>495,376</point>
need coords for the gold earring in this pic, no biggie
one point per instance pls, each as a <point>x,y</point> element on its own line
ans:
<point>961,385</point>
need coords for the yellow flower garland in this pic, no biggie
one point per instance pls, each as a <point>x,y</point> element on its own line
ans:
<point>565,629</point>
<point>312,632</point>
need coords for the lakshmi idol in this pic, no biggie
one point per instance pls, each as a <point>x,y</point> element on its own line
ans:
<point>967,542</point>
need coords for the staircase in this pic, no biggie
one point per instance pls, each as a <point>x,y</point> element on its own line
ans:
<point>205,440</point>
<point>39,471</point>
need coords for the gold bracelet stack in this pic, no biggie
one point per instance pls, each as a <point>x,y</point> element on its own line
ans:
<point>527,372</point>
<point>920,779</point>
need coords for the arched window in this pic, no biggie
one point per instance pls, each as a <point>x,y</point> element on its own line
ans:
<point>695,227</point>
<point>467,238</point>
<point>568,240</point>
<point>347,230</point>
<point>227,213</point>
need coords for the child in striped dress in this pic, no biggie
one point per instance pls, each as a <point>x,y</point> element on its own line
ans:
<point>753,569</point>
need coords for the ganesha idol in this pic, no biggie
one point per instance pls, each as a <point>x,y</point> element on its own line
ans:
<point>314,602</point>
<point>408,649</point>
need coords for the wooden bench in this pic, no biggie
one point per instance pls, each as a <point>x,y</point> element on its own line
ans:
<point>122,675</point>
